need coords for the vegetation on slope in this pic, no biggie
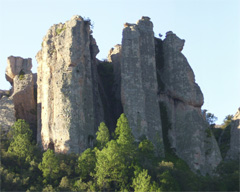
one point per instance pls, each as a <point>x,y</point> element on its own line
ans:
<point>116,162</point>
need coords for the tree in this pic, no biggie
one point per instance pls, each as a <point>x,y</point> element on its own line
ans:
<point>227,121</point>
<point>210,117</point>
<point>64,184</point>
<point>49,165</point>
<point>21,127</point>
<point>123,132</point>
<point>21,145</point>
<point>111,167</point>
<point>141,182</point>
<point>102,135</point>
<point>86,163</point>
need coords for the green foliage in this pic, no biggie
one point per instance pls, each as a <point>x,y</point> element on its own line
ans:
<point>123,132</point>
<point>60,30</point>
<point>21,127</point>
<point>141,182</point>
<point>120,164</point>
<point>21,146</point>
<point>21,75</point>
<point>102,135</point>
<point>208,132</point>
<point>49,165</point>
<point>227,121</point>
<point>210,117</point>
<point>64,184</point>
<point>86,164</point>
<point>21,136</point>
<point>111,168</point>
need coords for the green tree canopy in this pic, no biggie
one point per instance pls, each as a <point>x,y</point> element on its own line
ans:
<point>102,135</point>
<point>49,165</point>
<point>86,163</point>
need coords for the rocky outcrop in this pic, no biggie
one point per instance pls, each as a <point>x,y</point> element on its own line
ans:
<point>139,82</point>
<point>69,106</point>
<point>234,151</point>
<point>19,74</point>
<point>180,102</point>
<point>7,112</point>
<point>17,66</point>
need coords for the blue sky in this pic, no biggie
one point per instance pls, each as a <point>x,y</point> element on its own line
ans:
<point>211,29</point>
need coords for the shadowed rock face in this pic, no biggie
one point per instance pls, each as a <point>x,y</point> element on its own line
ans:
<point>7,112</point>
<point>139,82</point>
<point>180,101</point>
<point>234,152</point>
<point>69,107</point>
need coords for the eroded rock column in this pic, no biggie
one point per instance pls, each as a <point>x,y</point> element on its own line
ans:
<point>67,113</point>
<point>180,101</point>
<point>19,74</point>
<point>139,82</point>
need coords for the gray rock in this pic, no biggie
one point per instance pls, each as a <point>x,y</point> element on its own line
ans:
<point>7,117</point>
<point>181,85</point>
<point>69,106</point>
<point>234,151</point>
<point>180,103</point>
<point>19,74</point>
<point>17,65</point>
<point>139,82</point>
<point>115,56</point>
<point>24,100</point>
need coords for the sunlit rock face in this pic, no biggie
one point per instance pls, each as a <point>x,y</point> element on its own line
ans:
<point>234,151</point>
<point>69,107</point>
<point>180,103</point>
<point>139,82</point>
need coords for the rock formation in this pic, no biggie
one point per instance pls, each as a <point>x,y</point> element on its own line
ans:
<point>180,103</point>
<point>139,82</point>
<point>19,74</point>
<point>69,105</point>
<point>7,112</point>
<point>114,57</point>
<point>234,151</point>
<point>147,78</point>
<point>17,66</point>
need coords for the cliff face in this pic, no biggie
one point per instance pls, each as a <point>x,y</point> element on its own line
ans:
<point>7,117</point>
<point>148,79</point>
<point>139,82</point>
<point>69,107</point>
<point>180,102</point>
<point>234,151</point>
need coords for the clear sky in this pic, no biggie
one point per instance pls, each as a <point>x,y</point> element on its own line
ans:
<point>211,29</point>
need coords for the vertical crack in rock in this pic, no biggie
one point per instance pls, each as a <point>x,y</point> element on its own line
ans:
<point>180,101</point>
<point>139,82</point>
<point>67,87</point>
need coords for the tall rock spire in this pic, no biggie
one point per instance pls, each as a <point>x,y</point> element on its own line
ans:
<point>139,82</point>
<point>180,103</point>
<point>69,107</point>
